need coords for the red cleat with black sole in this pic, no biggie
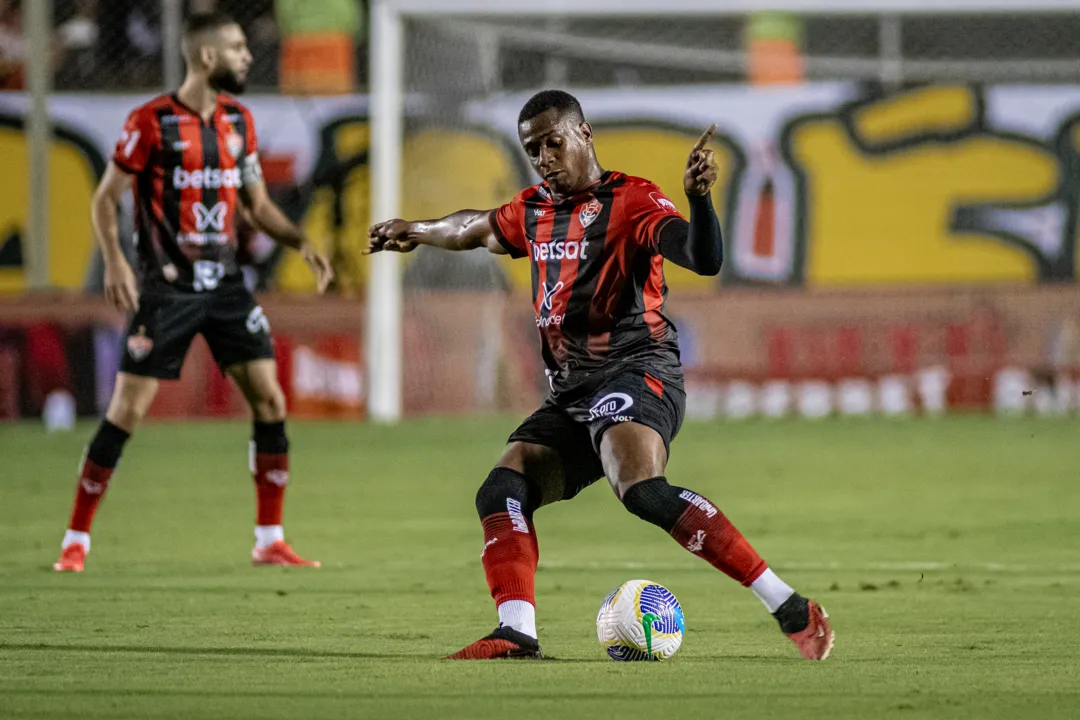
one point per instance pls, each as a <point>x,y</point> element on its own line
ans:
<point>505,643</point>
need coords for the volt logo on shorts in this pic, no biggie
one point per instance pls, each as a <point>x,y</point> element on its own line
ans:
<point>513,507</point>
<point>699,502</point>
<point>612,405</point>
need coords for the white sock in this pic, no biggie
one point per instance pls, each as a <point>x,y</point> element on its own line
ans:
<point>74,536</point>
<point>519,615</point>
<point>267,535</point>
<point>771,590</point>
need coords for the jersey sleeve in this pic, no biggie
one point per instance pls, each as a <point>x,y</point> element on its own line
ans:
<point>135,144</point>
<point>250,167</point>
<point>508,224</point>
<point>649,211</point>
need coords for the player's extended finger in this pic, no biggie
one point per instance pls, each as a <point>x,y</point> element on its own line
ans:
<point>705,138</point>
<point>132,299</point>
<point>377,244</point>
<point>123,300</point>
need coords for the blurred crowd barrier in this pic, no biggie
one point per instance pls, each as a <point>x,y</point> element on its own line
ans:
<point>748,353</point>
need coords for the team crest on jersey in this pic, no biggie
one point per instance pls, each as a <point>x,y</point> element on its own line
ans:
<point>589,213</point>
<point>139,346</point>
<point>234,143</point>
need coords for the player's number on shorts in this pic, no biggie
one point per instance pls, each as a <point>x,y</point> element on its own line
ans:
<point>257,321</point>
<point>207,275</point>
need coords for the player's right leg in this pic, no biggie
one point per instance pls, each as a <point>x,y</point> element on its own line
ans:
<point>635,458</point>
<point>549,458</point>
<point>130,401</point>
<point>158,337</point>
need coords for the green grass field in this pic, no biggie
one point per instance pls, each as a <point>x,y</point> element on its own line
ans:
<point>947,552</point>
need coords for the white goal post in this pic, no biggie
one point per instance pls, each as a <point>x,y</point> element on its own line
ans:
<point>383,342</point>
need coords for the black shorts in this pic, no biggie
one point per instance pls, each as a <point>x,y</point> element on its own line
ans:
<point>574,429</point>
<point>161,330</point>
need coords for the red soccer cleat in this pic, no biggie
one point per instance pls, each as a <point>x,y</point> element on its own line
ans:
<point>815,642</point>
<point>71,559</point>
<point>279,553</point>
<point>503,643</point>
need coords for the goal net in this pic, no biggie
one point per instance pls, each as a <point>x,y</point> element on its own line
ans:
<point>895,193</point>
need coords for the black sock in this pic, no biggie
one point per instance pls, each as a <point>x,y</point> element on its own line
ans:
<point>794,614</point>
<point>106,445</point>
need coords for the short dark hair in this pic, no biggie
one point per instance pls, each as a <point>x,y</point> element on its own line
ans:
<point>558,100</point>
<point>201,22</point>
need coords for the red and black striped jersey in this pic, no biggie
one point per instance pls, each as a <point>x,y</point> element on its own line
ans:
<point>187,174</point>
<point>597,276</point>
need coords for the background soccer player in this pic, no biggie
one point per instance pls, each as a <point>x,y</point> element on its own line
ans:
<point>190,157</point>
<point>597,241</point>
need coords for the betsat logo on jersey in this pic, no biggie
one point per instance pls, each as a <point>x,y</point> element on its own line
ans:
<point>210,178</point>
<point>612,405</point>
<point>560,250</point>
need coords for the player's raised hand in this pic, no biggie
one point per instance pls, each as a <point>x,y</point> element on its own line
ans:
<point>320,267</point>
<point>121,291</point>
<point>391,235</point>
<point>701,170</point>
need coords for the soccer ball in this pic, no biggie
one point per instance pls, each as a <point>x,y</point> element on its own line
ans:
<point>640,620</point>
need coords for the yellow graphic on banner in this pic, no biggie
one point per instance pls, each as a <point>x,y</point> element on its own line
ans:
<point>443,171</point>
<point>883,183</point>
<point>73,179</point>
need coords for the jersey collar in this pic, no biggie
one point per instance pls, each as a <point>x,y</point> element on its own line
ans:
<point>578,196</point>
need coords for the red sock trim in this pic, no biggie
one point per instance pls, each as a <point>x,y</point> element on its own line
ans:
<point>93,482</point>
<point>719,543</point>
<point>271,477</point>
<point>510,557</point>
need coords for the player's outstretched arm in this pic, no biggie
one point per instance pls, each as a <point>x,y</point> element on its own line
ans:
<point>463,230</point>
<point>121,290</point>
<point>697,245</point>
<point>268,218</point>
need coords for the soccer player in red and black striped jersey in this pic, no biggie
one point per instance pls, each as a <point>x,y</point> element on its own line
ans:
<point>191,159</point>
<point>597,241</point>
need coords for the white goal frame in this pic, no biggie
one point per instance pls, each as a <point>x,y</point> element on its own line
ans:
<point>383,336</point>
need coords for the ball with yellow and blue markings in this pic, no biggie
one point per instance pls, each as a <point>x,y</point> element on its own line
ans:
<point>640,620</point>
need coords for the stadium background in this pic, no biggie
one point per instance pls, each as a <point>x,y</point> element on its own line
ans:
<point>899,195</point>
<point>900,189</point>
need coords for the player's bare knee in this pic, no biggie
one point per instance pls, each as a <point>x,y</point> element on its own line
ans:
<point>131,401</point>
<point>514,457</point>
<point>270,406</point>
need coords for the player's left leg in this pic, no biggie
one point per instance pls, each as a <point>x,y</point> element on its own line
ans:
<point>238,333</point>
<point>634,453</point>
<point>269,457</point>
